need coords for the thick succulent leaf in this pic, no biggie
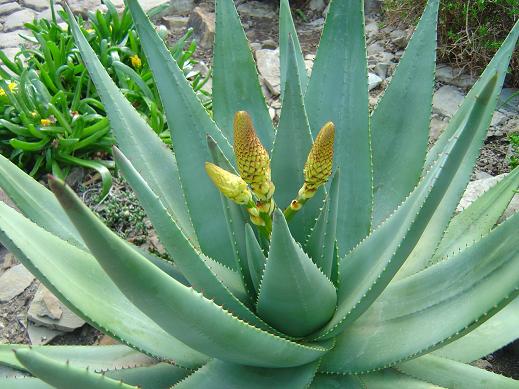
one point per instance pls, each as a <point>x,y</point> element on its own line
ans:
<point>433,307</point>
<point>291,147</point>
<point>39,205</point>
<point>23,383</point>
<point>255,257</point>
<point>478,218</point>
<point>321,243</point>
<point>452,374</point>
<point>215,281</point>
<point>97,358</point>
<point>159,376</point>
<point>498,64</point>
<point>217,374</point>
<point>295,296</point>
<point>287,32</point>
<point>76,279</point>
<point>367,270</point>
<point>62,375</point>
<point>236,217</point>
<point>400,122</point>
<point>338,92</point>
<point>386,379</point>
<point>148,153</point>
<point>238,89</point>
<point>497,332</point>
<point>181,311</point>
<point>439,221</point>
<point>189,124</point>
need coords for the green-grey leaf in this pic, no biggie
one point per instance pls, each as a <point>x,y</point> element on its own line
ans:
<point>23,383</point>
<point>452,374</point>
<point>291,147</point>
<point>214,280</point>
<point>39,205</point>
<point>321,243</point>
<point>220,375</point>
<point>159,376</point>
<point>287,30</point>
<point>385,379</point>
<point>433,307</point>
<point>189,124</point>
<point>62,375</point>
<point>338,92</point>
<point>235,79</point>
<point>497,332</point>
<point>236,217</point>
<point>77,284</point>
<point>295,296</point>
<point>367,270</point>
<point>95,357</point>
<point>400,122</point>
<point>255,257</point>
<point>181,311</point>
<point>148,153</point>
<point>478,218</point>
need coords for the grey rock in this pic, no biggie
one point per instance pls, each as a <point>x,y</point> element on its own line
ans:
<point>16,20</point>
<point>9,8</point>
<point>203,23</point>
<point>83,6</point>
<point>182,6</point>
<point>479,175</point>
<point>450,75</point>
<point>482,364</point>
<point>373,81</point>
<point>268,67</point>
<point>8,261</point>
<point>374,48</point>
<point>317,5</point>
<point>13,282</point>
<point>269,44</point>
<point>476,188</point>
<point>41,335</point>
<point>371,28</point>
<point>256,9</point>
<point>436,128</point>
<point>37,5</point>
<point>175,22</point>
<point>399,38</point>
<point>3,196</point>
<point>381,69</point>
<point>446,100</point>
<point>46,310</point>
<point>498,118</point>
<point>255,46</point>
<point>509,99</point>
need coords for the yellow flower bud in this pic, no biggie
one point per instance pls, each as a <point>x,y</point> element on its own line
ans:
<point>231,185</point>
<point>318,167</point>
<point>45,122</point>
<point>251,157</point>
<point>136,61</point>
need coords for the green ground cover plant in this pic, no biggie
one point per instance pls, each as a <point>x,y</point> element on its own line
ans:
<point>325,254</point>
<point>51,116</point>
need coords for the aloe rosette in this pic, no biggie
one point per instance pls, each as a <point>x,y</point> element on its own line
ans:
<point>324,253</point>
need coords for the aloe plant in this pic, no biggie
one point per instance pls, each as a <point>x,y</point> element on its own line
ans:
<point>279,279</point>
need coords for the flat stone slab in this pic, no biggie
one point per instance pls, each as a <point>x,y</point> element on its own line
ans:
<point>446,100</point>
<point>46,310</point>
<point>17,20</point>
<point>41,335</point>
<point>13,282</point>
<point>268,65</point>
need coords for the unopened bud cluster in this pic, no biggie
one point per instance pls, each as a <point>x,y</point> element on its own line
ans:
<point>254,178</point>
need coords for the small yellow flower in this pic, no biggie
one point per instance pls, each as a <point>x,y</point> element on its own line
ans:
<point>136,61</point>
<point>12,86</point>
<point>45,122</point>
<point>231,185</point>
<point>34,114</point>
<point>89,30</point>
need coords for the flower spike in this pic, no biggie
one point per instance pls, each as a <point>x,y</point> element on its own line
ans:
<point>252,159</point>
